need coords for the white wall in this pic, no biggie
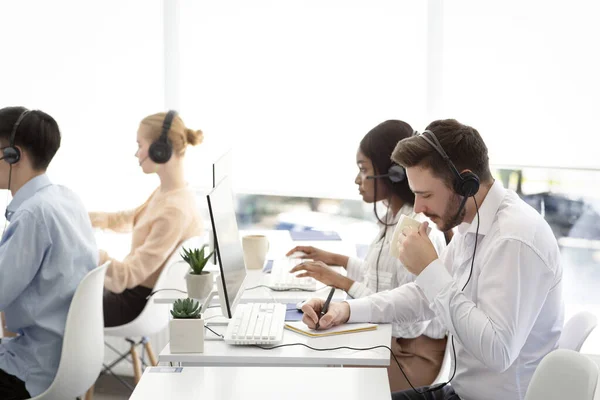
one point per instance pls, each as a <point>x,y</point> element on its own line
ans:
<point>294,86</point>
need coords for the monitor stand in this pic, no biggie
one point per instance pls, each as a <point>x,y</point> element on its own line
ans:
<point>216,320</point>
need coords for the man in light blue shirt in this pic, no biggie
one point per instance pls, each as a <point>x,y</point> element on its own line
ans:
<point>45,251</point>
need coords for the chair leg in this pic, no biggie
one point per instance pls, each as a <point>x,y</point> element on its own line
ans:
<point>5,332</point>
<point>137,368</point>
<point>89,395</point>
<point>151,355</point>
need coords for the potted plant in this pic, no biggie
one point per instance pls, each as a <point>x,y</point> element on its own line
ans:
<point>186,329</point>
<point>199,282</point>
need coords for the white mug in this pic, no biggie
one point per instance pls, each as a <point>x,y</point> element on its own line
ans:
<point>255,250</point>
<point>405,222</point>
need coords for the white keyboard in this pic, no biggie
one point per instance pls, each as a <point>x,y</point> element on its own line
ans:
<point>281,279</point>
<point>256,323</point>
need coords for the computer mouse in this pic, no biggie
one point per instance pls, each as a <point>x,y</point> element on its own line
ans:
<point>299,305</point>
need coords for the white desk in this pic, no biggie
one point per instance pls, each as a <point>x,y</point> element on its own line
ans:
<point>258,295</point>
<point>280,242</point>
<point>218,353</point>
<point>263,384</point>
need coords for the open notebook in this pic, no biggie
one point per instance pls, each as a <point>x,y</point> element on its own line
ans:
<point>300,327</point>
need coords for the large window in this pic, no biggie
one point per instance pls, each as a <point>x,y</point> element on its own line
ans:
<point>525,73</point>
<point>97,67</point>
<point>294,86</point>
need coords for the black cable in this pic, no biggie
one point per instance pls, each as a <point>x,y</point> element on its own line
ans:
<point>475,248</point>
<point>463,288</point>
<point>160,290</point>
<point>7,193</point>
<point>381,346</point>
<point>385,224</point>
<point>218,334</point>
<point>382,239</point>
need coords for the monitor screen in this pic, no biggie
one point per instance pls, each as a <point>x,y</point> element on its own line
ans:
<point>222,168</point>
<point>228,245</point>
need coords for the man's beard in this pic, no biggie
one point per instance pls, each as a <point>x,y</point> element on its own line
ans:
<point>451,217</point>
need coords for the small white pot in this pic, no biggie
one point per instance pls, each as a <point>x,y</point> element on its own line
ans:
<point>186,335</point>
<point>199,286</point>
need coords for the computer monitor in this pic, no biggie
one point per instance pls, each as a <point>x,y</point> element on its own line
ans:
<point>228,246</point>
<point>221,168</point>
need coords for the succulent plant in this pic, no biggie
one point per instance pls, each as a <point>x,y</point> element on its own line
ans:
<point>196,259</point>
<point>186,309</point>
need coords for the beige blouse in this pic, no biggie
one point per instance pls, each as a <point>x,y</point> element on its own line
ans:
<point>158,227</point>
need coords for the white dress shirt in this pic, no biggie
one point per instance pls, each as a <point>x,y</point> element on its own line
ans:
<point>371,276</point>
<point>509,316</point>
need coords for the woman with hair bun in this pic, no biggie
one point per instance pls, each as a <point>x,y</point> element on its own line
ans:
<point>168,218</point>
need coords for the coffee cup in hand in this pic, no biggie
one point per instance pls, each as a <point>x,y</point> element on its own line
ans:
<point>405,224</point>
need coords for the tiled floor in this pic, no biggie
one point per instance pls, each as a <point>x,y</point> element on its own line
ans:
<point>108,388</point>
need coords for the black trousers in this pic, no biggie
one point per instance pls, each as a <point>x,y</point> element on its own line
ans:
<point>122,308</point>
<point>12,388</point>
<point>445,393</point>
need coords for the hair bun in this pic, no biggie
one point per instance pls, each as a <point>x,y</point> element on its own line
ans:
<point>194,137</point>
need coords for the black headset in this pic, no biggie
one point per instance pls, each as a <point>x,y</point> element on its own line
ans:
<point>395,174</point>
<point>161,149</point>
<point>12,154</point>
<point>465,184</point>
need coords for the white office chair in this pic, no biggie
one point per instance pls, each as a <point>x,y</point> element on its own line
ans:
<point>576,330</point>
<point>83,344</point>
<point>153,318</point>
<point>564,374</point>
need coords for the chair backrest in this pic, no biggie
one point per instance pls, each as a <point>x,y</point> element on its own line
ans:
<point>155,317</point>
<point>564,374</point>
<point>576,330</point>
<point>83,344</point>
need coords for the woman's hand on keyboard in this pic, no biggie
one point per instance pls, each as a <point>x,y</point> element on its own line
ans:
<point>315,254</point>
<point>337,314</point>
<point>321,272</point>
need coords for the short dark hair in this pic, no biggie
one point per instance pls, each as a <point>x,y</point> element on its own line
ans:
<point>463,145</point>
<point>378,145</point>
<point>38,134</point>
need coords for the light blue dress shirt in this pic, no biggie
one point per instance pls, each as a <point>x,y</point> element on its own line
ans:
<point>46,251</point>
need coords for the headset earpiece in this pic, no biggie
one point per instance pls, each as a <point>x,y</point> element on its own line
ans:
<point>161,150</point>
<point>396,173</point>
<point>467,185</point>
<point>11,155</point>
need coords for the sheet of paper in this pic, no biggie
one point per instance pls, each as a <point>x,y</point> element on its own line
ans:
<point>300,327</point>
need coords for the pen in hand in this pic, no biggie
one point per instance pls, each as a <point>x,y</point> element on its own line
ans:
<point>325,306</point>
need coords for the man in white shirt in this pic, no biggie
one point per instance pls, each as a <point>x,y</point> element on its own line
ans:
<point>498,286</point>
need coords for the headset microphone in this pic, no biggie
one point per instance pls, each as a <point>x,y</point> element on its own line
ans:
<point>395,174</point>
<point>461,207</point>
<point>143,160</point>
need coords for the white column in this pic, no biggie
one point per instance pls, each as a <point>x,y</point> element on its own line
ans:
<point>435,59</point>
<point>171,53</point>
